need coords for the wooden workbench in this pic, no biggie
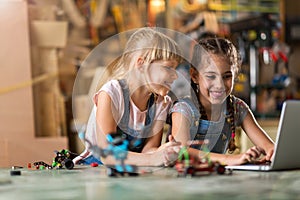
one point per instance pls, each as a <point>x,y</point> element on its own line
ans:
<point>158,183</point>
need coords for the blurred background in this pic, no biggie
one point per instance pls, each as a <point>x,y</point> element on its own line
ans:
<point>45,42</point>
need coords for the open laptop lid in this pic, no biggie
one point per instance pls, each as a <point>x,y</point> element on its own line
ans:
<point>287,148</point>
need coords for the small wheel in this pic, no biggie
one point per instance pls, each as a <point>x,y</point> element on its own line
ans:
<point>220,169</point>
<point>189,170</point>
<point>68,163</point>
<point>111,172</point>
<point>133,173</point>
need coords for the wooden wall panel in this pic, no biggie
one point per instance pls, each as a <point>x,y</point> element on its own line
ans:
<point>18,143</point>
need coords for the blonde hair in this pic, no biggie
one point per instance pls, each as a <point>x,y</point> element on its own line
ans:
<point>150,44</point>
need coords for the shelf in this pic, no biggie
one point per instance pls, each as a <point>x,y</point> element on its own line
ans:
<point>268,87</point>
<point>261,6</point>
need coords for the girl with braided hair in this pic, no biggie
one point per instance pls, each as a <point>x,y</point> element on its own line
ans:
<point>212,112</point>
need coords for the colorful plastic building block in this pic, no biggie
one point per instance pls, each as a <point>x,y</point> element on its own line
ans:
<point>62,159</point>
<point>186,165</point>
<point>118,148</point>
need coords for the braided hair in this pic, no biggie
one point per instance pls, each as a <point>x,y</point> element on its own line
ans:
<point>225,48</point>
<point>230,119</point>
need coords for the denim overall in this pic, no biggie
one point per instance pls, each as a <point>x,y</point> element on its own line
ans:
<point>130,133</point>
<point>217,133</point>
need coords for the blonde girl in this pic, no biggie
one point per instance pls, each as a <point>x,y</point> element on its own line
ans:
<point>134,102</point>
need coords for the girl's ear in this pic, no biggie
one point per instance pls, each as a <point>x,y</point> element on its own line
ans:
<point>140,63</point>
<point>194,75</point>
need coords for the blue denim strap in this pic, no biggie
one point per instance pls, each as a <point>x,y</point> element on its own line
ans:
<point>123,126</point>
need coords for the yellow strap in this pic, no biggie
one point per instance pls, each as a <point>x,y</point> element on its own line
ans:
<point>31,82</point>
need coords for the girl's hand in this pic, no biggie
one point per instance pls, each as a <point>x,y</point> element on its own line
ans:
<point>250,156</point>
<point>253,155</point>
<point>169,151</point>
<point>269,153</point>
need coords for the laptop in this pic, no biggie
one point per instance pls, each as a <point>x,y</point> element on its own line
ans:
<point>287,146</point>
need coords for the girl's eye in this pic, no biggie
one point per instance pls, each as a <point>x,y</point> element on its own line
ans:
<point>168,68</point>
<point>227,76</point>
<point>211,77</point>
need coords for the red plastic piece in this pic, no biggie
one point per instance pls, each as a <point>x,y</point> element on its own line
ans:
<point>94,164</point>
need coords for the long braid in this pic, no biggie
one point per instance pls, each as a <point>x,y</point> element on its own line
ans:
<point>202,112</point>
<point>195,89</point>
<point>230,119</point>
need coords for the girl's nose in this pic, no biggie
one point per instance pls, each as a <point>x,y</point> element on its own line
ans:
<point>219,83</point>
<point>174,75</point>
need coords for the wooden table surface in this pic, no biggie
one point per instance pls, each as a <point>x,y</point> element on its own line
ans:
<point>156,183</point>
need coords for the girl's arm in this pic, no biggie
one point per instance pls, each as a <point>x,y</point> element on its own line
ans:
<point>180,128</point>
<point>181,132</point>
<point>153,142</point>
<point>105,120</point>
<point>168,152</point>
<point>257,135</point>
<point>106,124</point>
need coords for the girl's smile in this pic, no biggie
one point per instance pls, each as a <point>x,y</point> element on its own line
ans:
<point>217,94</point>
